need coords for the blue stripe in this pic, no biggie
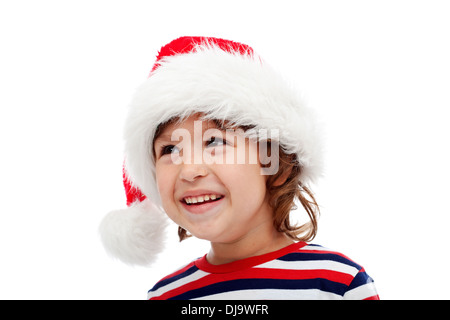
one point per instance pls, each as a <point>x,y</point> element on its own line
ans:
<point>308,256</point>
<point>167,281</point>
<point>360,279</point>
<point>255,284</point>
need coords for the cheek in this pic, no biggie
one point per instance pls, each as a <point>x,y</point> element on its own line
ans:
<point>247,185</point>
<point>159,180</point>
<point>165,183</point>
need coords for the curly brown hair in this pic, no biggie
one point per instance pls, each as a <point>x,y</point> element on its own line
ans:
<point>282,197</point>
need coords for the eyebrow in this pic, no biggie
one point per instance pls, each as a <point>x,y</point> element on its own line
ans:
<point>164,137</point>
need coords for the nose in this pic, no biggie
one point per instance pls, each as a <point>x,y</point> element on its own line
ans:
<point>192,172</point>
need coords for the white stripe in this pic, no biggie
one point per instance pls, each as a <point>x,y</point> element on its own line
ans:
<point>190,278</point>
<point>318,248</point>
<point>362,292</point>
<point>273,294</point>
<point>310,265</point>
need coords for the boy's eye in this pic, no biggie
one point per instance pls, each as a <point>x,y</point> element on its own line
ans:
<point>169,149</point>
<point>214,142</point>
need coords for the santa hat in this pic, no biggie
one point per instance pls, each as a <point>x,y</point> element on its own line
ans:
<point>224,80</point>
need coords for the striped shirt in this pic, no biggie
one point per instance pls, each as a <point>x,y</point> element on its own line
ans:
<point>297,272</point>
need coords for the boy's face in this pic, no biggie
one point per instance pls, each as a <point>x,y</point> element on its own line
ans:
<point>210,180</point>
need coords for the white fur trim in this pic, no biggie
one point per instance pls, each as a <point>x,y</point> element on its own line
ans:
<point>134,235</point>
<point>239,88</point>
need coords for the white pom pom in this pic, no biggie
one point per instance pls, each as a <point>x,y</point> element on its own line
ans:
<point>134,235</point>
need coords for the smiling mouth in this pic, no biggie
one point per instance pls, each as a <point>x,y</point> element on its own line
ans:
<point>201,199</point>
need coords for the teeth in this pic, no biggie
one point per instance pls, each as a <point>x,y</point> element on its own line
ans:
<point>200,199</point>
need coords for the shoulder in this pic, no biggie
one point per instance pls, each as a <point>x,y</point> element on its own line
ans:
<point>318,257</point>
<point>315,252</point>
<point>339,267</point>
<point>318,262</point>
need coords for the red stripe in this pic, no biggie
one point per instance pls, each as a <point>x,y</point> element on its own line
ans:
<point>376,297</point>
<point>259,273</point>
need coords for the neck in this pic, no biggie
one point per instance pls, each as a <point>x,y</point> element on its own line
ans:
<point>261,240</point>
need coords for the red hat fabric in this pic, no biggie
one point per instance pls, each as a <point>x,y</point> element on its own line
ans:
<point>189,44</point>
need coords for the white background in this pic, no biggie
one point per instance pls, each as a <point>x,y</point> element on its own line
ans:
<point>377,71</point>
